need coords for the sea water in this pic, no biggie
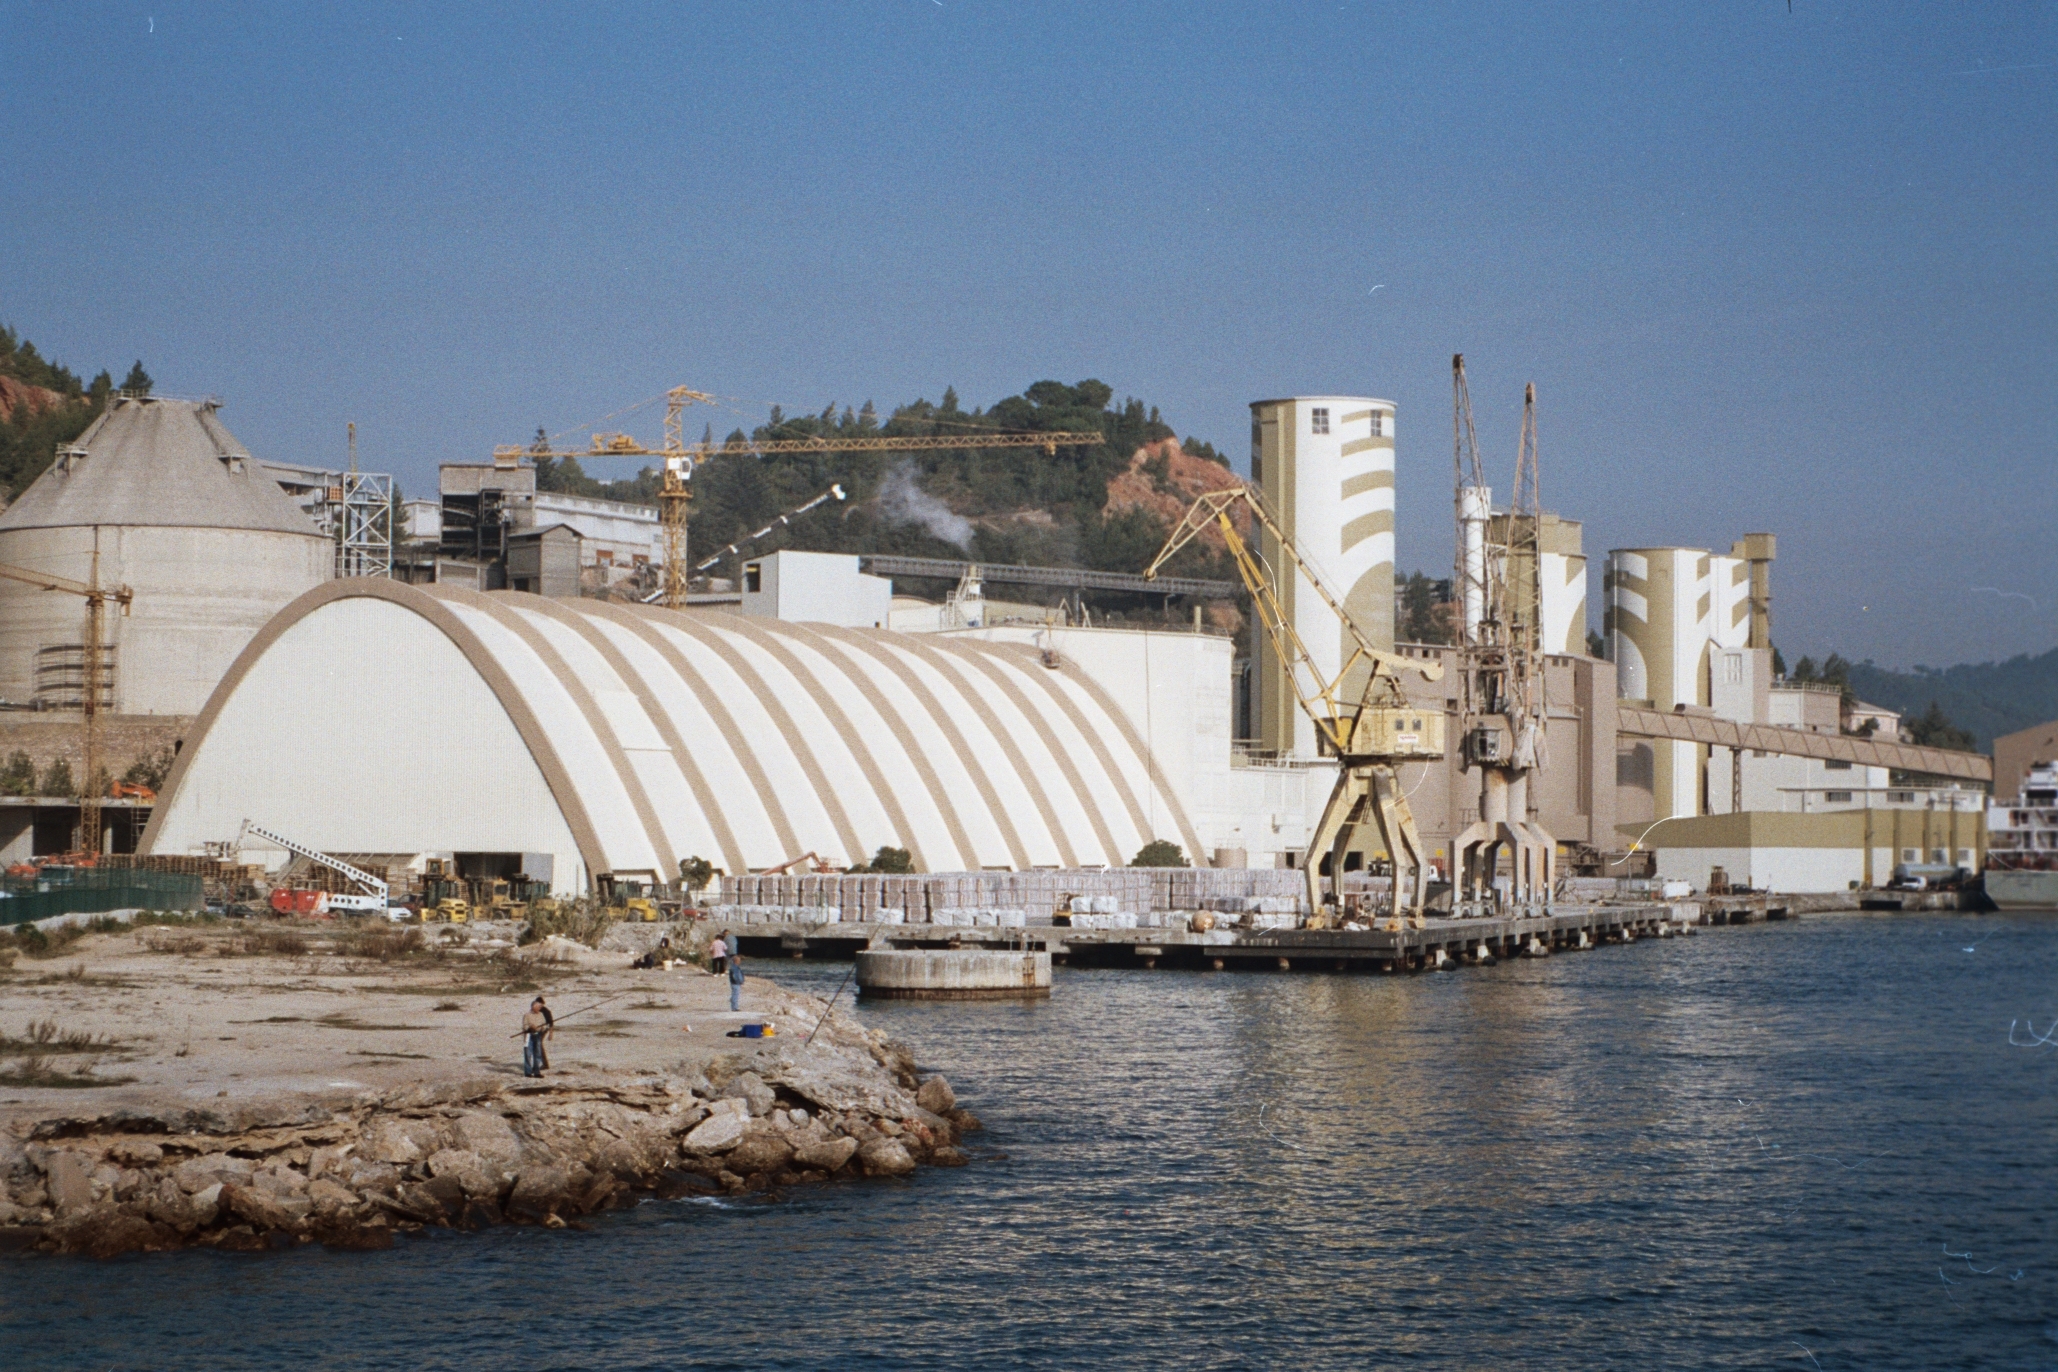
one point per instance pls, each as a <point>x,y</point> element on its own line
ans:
<point>1830,1143</point>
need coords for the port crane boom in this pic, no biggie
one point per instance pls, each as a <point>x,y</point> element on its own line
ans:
<point>1369,728</point>
<point>680,458</point>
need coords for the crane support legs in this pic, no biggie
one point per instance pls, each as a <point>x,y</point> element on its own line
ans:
<point>1369,795</point>
<point>1503,823</point>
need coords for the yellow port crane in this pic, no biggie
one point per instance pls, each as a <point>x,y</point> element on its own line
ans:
<point>680,458</point>
<point>96,597</point>
<point>1370,732</point>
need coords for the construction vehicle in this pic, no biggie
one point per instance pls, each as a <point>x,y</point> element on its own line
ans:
<point>629,900</point>
<point>131,790</point>
<point>1370,731</point>
<point>96,685</point>
<point>680,458</point>
<point>371,898</point>
<point>449,910</point>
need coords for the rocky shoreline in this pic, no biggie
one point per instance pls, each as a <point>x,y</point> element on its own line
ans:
<point>245,1087</point>
<point>353,1172</point>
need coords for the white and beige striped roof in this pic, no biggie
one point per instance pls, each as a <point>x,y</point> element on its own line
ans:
<point>650,736</point>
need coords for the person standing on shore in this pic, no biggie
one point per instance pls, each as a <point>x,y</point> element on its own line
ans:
<point>538,1025</point>
<point>735,979</point>
<point>718,954</point>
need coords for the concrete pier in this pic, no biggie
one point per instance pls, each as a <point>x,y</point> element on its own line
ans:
<point>1441,943</point>
<point>951,974</point>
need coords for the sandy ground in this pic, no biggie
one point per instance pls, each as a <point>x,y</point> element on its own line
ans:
<point>222,1012</point>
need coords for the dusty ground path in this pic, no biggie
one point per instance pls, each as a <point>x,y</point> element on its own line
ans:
<point>197,1014</point>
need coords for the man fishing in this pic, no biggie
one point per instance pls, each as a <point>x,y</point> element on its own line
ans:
<point>538,1025</point>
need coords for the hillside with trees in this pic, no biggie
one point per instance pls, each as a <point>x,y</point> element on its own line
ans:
<point>1102,507</point>
<point>1982,699</point>
<point>44,405</point>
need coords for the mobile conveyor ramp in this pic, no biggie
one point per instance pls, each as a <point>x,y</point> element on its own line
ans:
<point>374,900</point>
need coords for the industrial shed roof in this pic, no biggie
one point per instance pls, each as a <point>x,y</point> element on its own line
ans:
<point>157,463</point>
<point>629,737</point>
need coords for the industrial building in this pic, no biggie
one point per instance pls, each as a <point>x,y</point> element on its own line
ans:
<point>614,741</point>
<point>810,711</point>
<point>157,495</point>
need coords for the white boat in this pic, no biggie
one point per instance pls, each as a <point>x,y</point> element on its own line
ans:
<point>2022,844</point>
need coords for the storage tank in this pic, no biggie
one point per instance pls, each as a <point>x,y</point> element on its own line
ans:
<point>182,515</point>
<point>1667,610</point>
<point>1325,465</point>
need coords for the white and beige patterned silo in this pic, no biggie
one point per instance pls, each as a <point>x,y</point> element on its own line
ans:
<point>1667,610</point>
<point>1325,464</point>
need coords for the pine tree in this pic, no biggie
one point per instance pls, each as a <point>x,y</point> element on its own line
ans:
<point>57,779</point>
<point>138,381</point>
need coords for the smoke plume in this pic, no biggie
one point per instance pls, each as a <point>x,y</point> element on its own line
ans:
<point>903,501</point>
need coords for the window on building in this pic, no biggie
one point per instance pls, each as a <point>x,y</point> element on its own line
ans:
<point>1911,855</point>
<point>1835,766</point>
<point>1837,797</point>
<point>1964,857</point>
<point>753,577</point>
<point>1900,797</point>
<point>1318,419</point>
<point>1733,669</point>
<point>1379,423</point>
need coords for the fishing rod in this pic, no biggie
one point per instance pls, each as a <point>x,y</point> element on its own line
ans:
<point>556,1020</point>
<point>831,1005</point>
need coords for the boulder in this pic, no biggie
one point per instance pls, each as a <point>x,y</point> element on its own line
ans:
<point>105,1232</point>
<point>401,1141</point>
<point>715,1134</point>
<point>262,1211</point>
<point>362,1175</point>
<point>750,1088</point>
<point>936,1097</point>
<point>760,1150</point>
<point>828,1156</point>
<point>947,1156</point>
<point>68,1176</point>
<point>839,1083</point>
<point>478,1178</point>
<point>540,1190</point>
<point>279,1182</point>
<point>135,1152</point>
<point>885,1158</point>
<point>331,1200</point>
<point>489,1135</point>
<point>334,1158</point>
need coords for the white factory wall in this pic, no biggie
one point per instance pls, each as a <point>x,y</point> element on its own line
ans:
<point>304,744</point>
<point>816,588</point>
<point>661,736</point>
<point>625,532</point>
<point>200,594</point>
<point>1787,871</point>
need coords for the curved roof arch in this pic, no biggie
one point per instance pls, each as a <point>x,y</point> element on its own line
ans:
<point>658,735</point>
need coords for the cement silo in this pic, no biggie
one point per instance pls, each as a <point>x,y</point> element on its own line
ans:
<point>182,515</point>
<point>1325,466</point>
<point>1667,610</point>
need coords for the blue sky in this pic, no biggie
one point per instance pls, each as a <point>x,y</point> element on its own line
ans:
<point>1775,270</point>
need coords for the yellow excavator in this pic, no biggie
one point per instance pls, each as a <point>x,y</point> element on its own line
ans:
<point>1369,735</point>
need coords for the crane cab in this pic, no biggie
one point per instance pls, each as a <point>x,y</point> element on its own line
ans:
<point>1394,733</point>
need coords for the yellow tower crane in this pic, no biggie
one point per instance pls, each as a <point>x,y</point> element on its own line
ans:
<point>1369,735</point>
<point>96,597</point>
<point>681,457</point>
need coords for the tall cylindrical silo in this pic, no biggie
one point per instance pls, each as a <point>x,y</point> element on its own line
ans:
<point>184,517</point>
<point>1325,464</point>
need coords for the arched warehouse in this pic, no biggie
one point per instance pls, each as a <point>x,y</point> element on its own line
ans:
<point>371,716</point>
